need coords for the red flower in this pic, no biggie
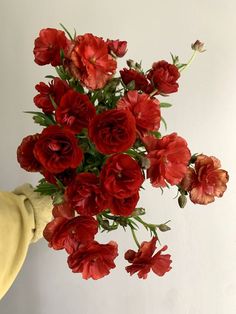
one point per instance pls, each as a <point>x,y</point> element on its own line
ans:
<point>63,210</point>
<point>121,176</point>
<point>164,75</point>
<point>146,110</point>
<point>90,61</point>
<point>94,260</point>
<point>75,111</point>
<point>140,80</point>
<point>119,48</point>
<point>84,194</point>
<point>25,155</point>
<point>123,206</point>
<point>68,234</point>
<point>169,159</point>
<point>206,180</point>
<point>113,131</point>
<point>48,45</point>
<point>66,177</point>
<point>56,89</point>
<point>143,261</point>
<point>57,150</point>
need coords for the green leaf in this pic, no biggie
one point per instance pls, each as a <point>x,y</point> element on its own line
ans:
<point>164,122</point>
<point>67,32</point>
<point>165,105</point>
<point>50,76</point>
<point>42,118</point>
<point>58,198</point>
<point>46,188</point>
<point>156,134</point>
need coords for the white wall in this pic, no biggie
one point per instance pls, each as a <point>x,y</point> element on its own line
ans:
<point>203,239</point>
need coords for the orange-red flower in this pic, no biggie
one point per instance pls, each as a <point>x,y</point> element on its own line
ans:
<point>91,62</point>
<point>143,261</point>
<point>118,47</point>
<point>206,180</point>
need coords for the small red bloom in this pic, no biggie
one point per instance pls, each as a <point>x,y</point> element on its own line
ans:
<point>75,111</point>
<point>68,234</point>
<point>63,210</point>
<point>25,155</point>
<point>57,150</point>
<point>143,261</point>
<point>169,159</point>
<point>84,194</point>
<point>56,89</point>
<point>94,260</point>
<point>123,206</point>
<point>145,110</point>
<point>113,131</point>
<point>206,180</point>
<point>121,176</point>
<point>164,77</point>
<point>140,80</point>
<point>90,61</point>
<point>119,48</point>
<point>48,45</point>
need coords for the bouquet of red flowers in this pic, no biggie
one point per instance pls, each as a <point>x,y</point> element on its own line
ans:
<point>100,140</point>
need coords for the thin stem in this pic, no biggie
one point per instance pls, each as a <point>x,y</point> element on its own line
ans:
<point>189,62</point>
<point>134,236</point>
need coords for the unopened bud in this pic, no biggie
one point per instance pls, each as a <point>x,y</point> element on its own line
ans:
<point>145,162</point>
<point>182,200</point>
<point>130,63</point>
<point>198,46</point>
<point>164,227</point>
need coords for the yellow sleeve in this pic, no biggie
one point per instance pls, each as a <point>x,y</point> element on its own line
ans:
<point>23,216</point>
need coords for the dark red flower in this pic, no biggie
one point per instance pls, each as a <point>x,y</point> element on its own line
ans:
<point>123,206</point>
<point>206,180</point>
<point>75,111</point>
<point>69,234</point>
<point>63,210</point>
<point>25,155</point>
<point>143,261</point>
<point>65,177</point>
<point>169,159</point>
<point>121,176</point>
<point>140,80</point>
<point>57,149</point>
<point>145,110</point>
<point>56,89</point>
<point>94,260</point>
<point>48,45</point>
<point>90,61</point>
<point>164,77</point>
<point>113,131</point>
<point>84,194</point>
<point>118,47</point>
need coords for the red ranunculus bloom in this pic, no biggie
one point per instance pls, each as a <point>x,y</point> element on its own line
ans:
<point>169,159</point>
<point>90,61</point>
<point>75,111</point>
<point>121,176</point>
<point>56,89</point>
<point>63,210</point>
<point>57,149</point>
<point>164,75</point>
<point>113,131</point>
<point>68,234</point>
<point>206,180</point>
<point>94,260</point>
<point>48,45</point>
<point>123,206</point>
<point>84,194</point>
<point>140,80</point>
<point>65,177</point>
<point>118,47</point>
<point>146,110</point>
<point>143,261</point>
<point>25,155</point>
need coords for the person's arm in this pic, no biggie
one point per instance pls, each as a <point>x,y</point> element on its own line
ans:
<point>23,216</point>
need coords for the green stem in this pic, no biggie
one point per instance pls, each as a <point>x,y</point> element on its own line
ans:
<point>189,62</point>
<point>134,236</point>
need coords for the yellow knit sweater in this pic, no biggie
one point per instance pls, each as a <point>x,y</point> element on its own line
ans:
<point>23,216</point>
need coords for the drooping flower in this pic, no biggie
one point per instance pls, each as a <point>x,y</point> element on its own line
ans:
<point>75,111</point>
<point>94,260</point>
<point>146,110</point>
<point>118,47</point>
<point>169,159</point>
<point>164,76</point>
<point>123,206</point>
<point>91,62</point>
<point>144,261</point>
<point>206,180</point>
<point>48,46</point>
<point>140,80</point>
<point>69,234</point>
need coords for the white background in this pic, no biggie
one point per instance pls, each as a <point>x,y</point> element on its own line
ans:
<point>202,241</point>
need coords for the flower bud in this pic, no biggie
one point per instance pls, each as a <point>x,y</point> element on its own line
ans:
<point>145,162</point>
<point>163,228</point>
<point>198,46</point>
<point>182,200</point>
